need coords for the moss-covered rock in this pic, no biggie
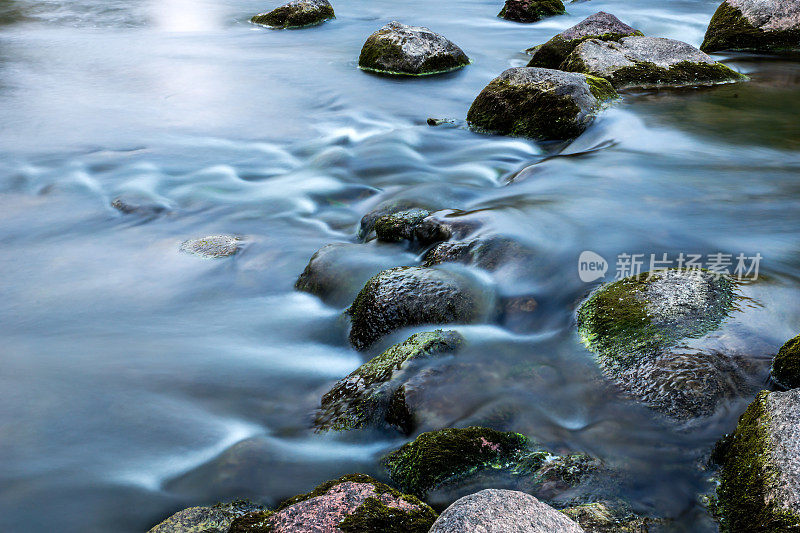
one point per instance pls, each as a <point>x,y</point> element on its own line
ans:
<point>608,517</point>
<point>366,226</point>
<point>213,246</point>
<point>398,49</point>
<point>531,10</point>
<point>648,62</point>
<point>786,365</point>
<point>412,296</point>
<point>489,253</point>
<point>539,103</point>
<point>602,26</point>
<point>353,504</point>
<point>438,456</point>
<point>759,488</point>
<point>296,14</point>
<point>399,226</point>
<point>214,519</point>
<point>755,26</point>
<point>364,397</point>
<point>639,328</point>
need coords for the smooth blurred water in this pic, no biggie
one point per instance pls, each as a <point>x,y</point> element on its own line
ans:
<point>136,380</point>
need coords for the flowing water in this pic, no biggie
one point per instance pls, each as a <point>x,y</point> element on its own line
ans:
<point>136,380</point>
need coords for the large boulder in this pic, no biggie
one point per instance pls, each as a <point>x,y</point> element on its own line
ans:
<point>539,103</point>
<point>213,246</point>
<point>502,511</point>
<point>411,51</point>
<point>602,26</point>
<point>296,14</point>
<point>367,395</point>
<point>354,503</point>
<point>648,62</point>
<point>755,26</point>
<point>531,10</point>
<point>759,488</point>
<point>786,365</point>
<point>654,337</point>
<point>413,296</point>
<point>214,519</point>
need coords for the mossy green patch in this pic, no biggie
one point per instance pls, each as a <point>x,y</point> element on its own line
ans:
<point>786,365</point>
<point>531,10</point>
<point>552,53</point>
<point>399,226</point>
<point>379,51</point>
<point>730,30</point>
<point>601,88</point>
<point>373,516</point>
<point>438,456</point>
<point>293,16</point>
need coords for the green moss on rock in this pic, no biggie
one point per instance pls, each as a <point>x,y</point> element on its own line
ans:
<point>296,14</point>
<point>531,10</point>
<point>375,516</point>
<point>214,519</point>
<point>399,226</point>
<point>786,365</point>
<point>729,29</point>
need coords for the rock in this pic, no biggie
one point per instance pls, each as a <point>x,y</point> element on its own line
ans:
<point>602,26</point>
<point>367,224</point>
<point>608,517</point>
<point>399,226</point>
<point>214,519</point>
<point>354,504</point>
<point>296,14</point>
<point>488,253</point>
<point>754,26</point>
<point>364,396</point>
<point>786,365</point>
<point>136,205</point>
<point>336,272</point>
<point>640,329</point>
<point>212,246</point>
<point>539,103</point>
<point>531,10</point>
<point>410,50</point>
<point>759,488</point>
<point>437,456</point>
<point>413,296</point>
<point>502,511</point>
<point>648,62</point>
<point>444,225</point>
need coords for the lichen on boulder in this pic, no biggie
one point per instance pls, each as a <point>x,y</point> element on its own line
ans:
<point>213,519</point>
<point>352,504</point>
<point>531,10</point>
<point>602,26</point>
<point>366,395</point>
<point>399,49</point>
<point>759,489</point>
<point>413,296</point>
<point>754,26</point>
<point>296,14</point>
<point>647,62</point>
<point>539,103</point>
<point>213,246</point>
<point>786,365</point>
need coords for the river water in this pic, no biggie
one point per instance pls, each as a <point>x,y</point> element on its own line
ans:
<point>137,380</point>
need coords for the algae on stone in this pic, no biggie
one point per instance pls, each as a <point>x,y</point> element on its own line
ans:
<point>296,14</point>
<point>754,26</point>
<point>531,10</point>
<point>213,519</point>
<point>786,365</point>
<point>399,226</point>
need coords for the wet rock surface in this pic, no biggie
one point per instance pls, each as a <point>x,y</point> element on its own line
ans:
<point>608,517</point>
<point>501,511</point>
<point>539,103</point>
<point>399,226</point>
<point>755,26</point>
<point>213,246</point>
<point>531,10</point>
<point>786,365</point>
<point>213,519</point>
<point>602,26</point>
<point>760,477</point>
<point>648,62</point>
<point>296,14</point>
<point>410,50</point>
<point>411,296</point>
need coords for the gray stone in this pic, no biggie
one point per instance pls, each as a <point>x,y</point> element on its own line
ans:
<point>502,511</point>
<point>212,246</point>
<point>539,103</point>
<point>648,62</point>
<point>296,14</point>
<point>213,519</point>
<point>410,50</point>
<point>754,25</point>
<point>601,25</point>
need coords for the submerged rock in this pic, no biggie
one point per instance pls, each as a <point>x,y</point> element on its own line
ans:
<point>354,503</point>
<point>531,10</point>
<point>786,365</point>
<point>410,50</point>
<point>759,488</point>
<point>137,205</point>
<point>488,253</point>
<point>648,62</point>
<point>602,26</point>
<point>502,511</point>
<point>214,519</point>
<point>212,246</point>
<point>444,225</point>
<point>296,14</point>
<point>539,103</point>
<point>639,328</point>
<point>364,397</point>
<point>608,517</point>
<point>412,296</point>
<point>399,226</point>
<point>754,26</point>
